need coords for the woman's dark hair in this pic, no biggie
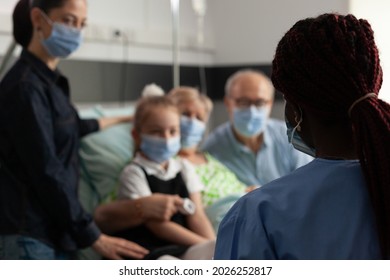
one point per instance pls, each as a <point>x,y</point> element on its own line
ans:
<point>324,65</point>
<point>22,25</point>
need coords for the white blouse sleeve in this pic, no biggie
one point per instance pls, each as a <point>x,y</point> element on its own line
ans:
<point>133,183</point>
<point>191,179</point>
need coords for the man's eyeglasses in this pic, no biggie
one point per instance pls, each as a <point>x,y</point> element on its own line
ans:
<point>246,103</point>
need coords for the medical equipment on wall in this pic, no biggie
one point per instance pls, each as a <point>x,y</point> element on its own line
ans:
<point>199,7</point>
<point>175,41</point>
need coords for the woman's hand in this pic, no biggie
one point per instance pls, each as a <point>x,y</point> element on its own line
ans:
<point>110,121</point>
<point>117,248</point>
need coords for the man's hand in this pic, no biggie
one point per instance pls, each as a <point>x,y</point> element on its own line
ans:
<point>160,206</point>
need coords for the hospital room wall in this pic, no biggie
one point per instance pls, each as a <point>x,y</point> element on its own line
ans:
<point>237,34</point>
<point>246,34</point>
<point>110,68</point>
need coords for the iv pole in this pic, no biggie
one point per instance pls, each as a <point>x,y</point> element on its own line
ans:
<point>175,42</point>
<point>7,57</point>
<point>199,7</point>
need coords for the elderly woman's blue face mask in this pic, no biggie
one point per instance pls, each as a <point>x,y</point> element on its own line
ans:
<point>191,131</point>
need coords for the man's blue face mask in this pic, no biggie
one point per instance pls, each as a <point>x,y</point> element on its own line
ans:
<point>250,121</point>
<point>63,39</point>
<point>296,140</point>
<point>159,149</point>
<point>191,131</point>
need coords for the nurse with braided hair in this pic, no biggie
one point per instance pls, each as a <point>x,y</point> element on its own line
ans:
<point>337,206</point>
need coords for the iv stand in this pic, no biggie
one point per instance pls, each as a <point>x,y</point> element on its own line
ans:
<point>175,42</point>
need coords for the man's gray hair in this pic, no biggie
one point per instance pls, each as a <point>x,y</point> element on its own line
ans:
<point>230,81</point>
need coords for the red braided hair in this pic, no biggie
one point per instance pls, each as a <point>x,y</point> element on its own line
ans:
<point>325,64</point>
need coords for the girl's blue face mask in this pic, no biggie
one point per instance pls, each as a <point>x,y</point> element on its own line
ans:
<point>250,121</point>
<point>296,140</point>
<point>63,39</point>
<point>159,149</point>
<point>191,131</point>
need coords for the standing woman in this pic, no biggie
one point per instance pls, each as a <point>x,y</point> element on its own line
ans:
<point>338,205</point>
<point>40,214</point>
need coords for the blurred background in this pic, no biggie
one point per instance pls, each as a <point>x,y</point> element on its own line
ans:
<point>131,43</point>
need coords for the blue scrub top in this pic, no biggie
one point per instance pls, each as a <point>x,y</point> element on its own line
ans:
<point>320,211</point>
<point>275,159</point>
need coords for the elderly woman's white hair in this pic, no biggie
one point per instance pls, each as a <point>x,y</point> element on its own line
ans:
<point>152,90</point>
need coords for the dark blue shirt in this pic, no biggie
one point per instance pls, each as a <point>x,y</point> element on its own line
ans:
<point>39,140</point>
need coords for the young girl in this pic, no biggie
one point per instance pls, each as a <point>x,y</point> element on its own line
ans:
<point>156,135</point>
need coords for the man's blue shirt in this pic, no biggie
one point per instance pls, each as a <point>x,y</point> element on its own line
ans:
<point>275,158</point>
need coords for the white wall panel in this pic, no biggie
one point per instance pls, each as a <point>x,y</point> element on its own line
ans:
<point>145,25</point>
<point>377,13</point>
<point>247,31</point>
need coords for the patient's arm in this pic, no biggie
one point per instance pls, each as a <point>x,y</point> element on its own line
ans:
<point>174,233</point>
<point>123,214</point>
<point>198,222</point>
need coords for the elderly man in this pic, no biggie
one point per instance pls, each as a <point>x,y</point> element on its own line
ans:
<point>254,146</point>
